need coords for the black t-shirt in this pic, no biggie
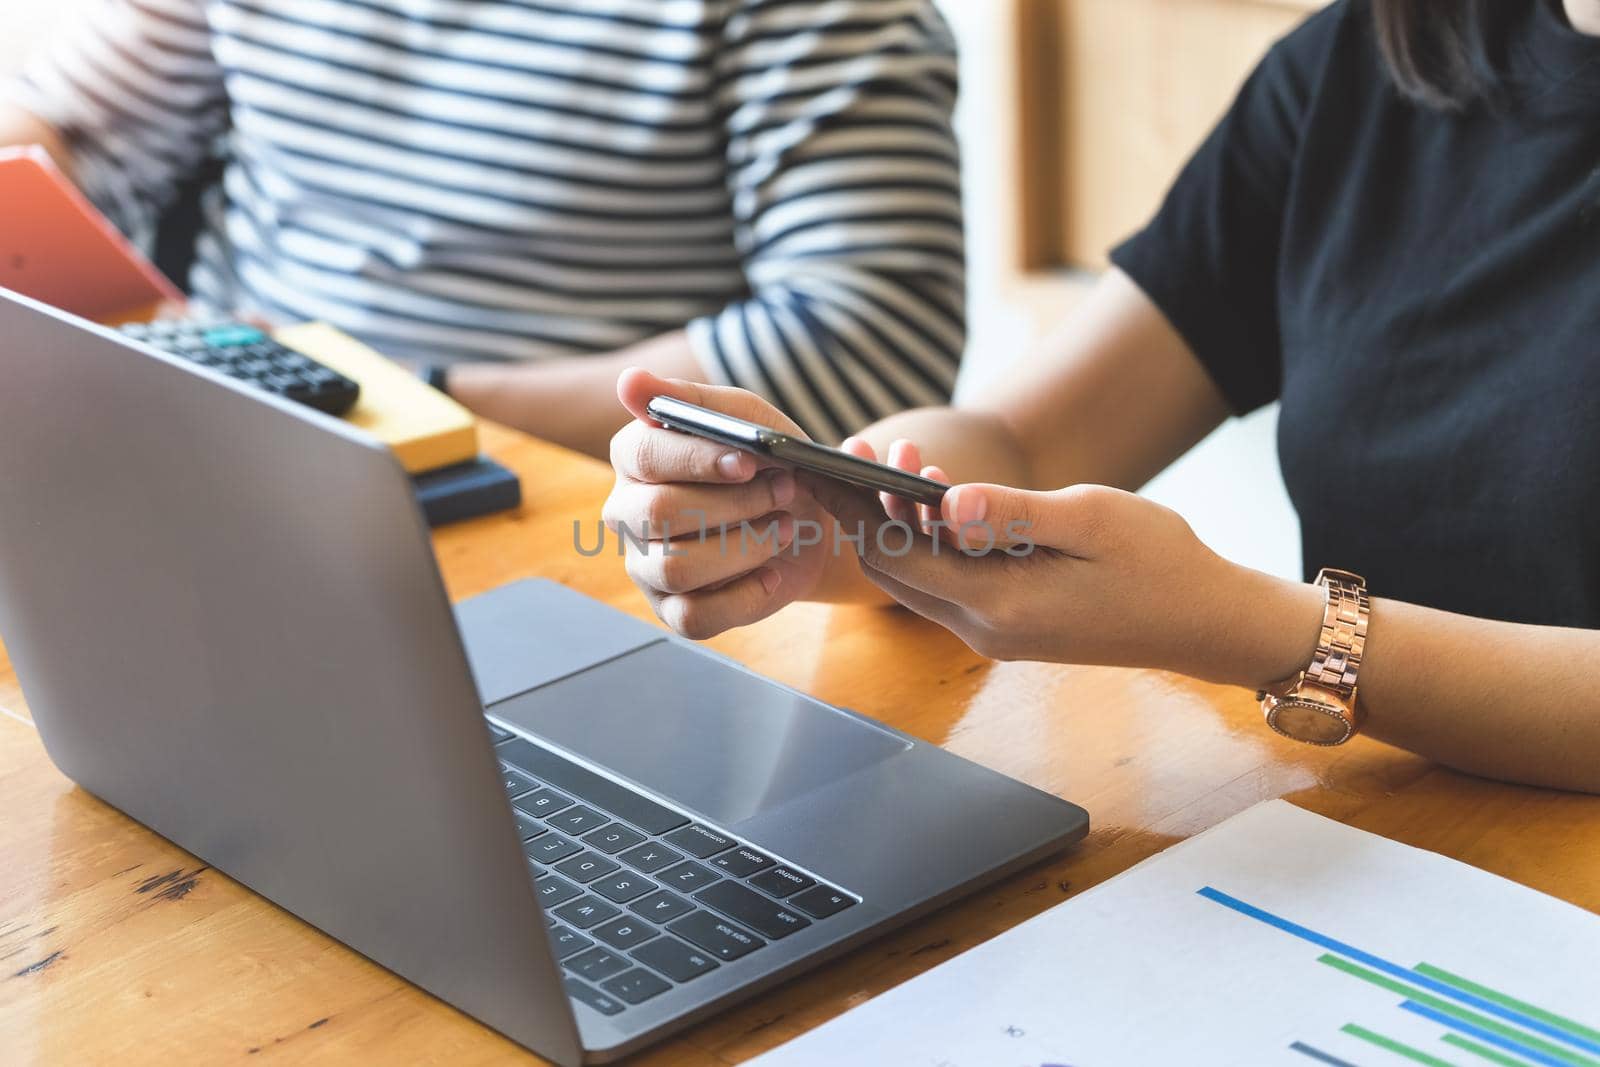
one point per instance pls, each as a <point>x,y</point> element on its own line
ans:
<point>1422,291</point>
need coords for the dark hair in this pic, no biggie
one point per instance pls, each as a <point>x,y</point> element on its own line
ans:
<point>1443,53</point>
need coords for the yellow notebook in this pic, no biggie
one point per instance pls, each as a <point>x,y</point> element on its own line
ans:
<point>426,429</point>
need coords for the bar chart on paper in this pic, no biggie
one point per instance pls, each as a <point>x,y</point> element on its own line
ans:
<point>1278,937</point>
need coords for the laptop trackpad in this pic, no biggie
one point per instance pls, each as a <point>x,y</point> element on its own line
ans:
<point>713,738</point>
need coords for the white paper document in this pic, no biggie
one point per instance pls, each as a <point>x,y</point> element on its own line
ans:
<point>1278,937</point>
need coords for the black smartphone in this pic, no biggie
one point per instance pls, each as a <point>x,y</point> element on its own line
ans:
<point>802,455</point>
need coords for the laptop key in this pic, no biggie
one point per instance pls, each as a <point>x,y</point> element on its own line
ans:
<point>722,939</point>
<point>578,820</point>
<point>631,807</point>
<point>588,910</point>
<point>661,906</point>
<point>613,839</point>
<point>821,901</point>
<point>650,857</point>
<point>586,866</point>
<point>597,963</point>
<point>781,882</point>
<point>516,782</point>
<point>742,861</point>
<point>636,986</point>
<point>699,841</point>
<point>551,848</point>
<point>554,891</point>
<point>625,932</point>
<point>604,1003</point>
<point>544,802</point>
<point>622,887</point>
<point>528,827</point>
<point>498,734</point>
<point>762,914</point>
<point>688,876</point>
<point>674,959</point>
<point>567,942</point>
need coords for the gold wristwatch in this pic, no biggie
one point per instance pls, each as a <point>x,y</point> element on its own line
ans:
<point>1318,705</point>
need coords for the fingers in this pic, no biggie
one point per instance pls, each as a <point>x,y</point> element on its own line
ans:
<point>930,607</point>
<point>664,511</point>
<point>1071,520</point>
<point>745,600</point>
<point>636,387</point>
<point>894,548</point>
<point>645,453</point>
<point>927,514</point>
<point>903,455</point>
<point>704,565</point>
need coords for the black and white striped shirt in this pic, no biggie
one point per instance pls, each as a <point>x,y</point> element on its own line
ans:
<point>531,179</point>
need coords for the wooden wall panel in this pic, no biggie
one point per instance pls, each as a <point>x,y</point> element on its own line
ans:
<point>1115,96</point>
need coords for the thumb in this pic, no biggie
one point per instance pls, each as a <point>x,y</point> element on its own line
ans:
<point>636,387</point>
<point>990,516</point>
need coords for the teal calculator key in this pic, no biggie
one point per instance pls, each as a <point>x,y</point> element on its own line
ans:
<point>232,336</point>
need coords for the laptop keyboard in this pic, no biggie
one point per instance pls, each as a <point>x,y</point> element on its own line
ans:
<point>639,896</point>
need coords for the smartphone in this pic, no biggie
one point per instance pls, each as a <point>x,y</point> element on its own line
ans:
<point>801,455</point>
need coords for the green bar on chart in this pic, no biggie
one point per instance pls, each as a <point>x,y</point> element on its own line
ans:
<point>1394,1046</point>
<point>1492,1055</point>
<point>1494,1026</point>
<point>1560,1022</point>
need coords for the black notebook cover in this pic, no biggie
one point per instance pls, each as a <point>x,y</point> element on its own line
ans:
<point>466,491</point>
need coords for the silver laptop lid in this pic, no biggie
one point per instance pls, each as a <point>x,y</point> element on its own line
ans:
<point>226,618</point>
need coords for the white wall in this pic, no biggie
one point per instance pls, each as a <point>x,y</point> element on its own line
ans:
<point>1230,487</point>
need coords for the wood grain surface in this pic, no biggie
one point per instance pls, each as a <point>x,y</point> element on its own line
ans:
<point>117,947</point>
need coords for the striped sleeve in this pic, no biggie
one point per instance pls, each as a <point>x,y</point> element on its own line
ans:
<point>134,91</point>
<point>845,182</point>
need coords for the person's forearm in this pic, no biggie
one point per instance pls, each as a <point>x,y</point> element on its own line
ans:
<point>20,127</point>
<point>1498,699</point>
<point>571,402</point>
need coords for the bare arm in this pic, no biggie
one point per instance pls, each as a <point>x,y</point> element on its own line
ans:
<point>1111,398</point>
<point>569,401</point>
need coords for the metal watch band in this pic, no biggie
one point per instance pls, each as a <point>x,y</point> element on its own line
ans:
<point>1337,661</point>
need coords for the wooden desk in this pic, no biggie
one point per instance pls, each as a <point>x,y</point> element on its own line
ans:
<point>116,947</point>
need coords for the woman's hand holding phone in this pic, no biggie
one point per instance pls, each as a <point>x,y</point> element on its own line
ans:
<point>717,524</point>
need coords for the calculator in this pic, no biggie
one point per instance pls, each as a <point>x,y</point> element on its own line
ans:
<point>241,351</point>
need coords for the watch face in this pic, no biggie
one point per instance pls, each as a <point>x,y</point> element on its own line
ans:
<point>1310,721</point>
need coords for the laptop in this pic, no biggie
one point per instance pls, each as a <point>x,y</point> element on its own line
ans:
<point>226,617</point>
